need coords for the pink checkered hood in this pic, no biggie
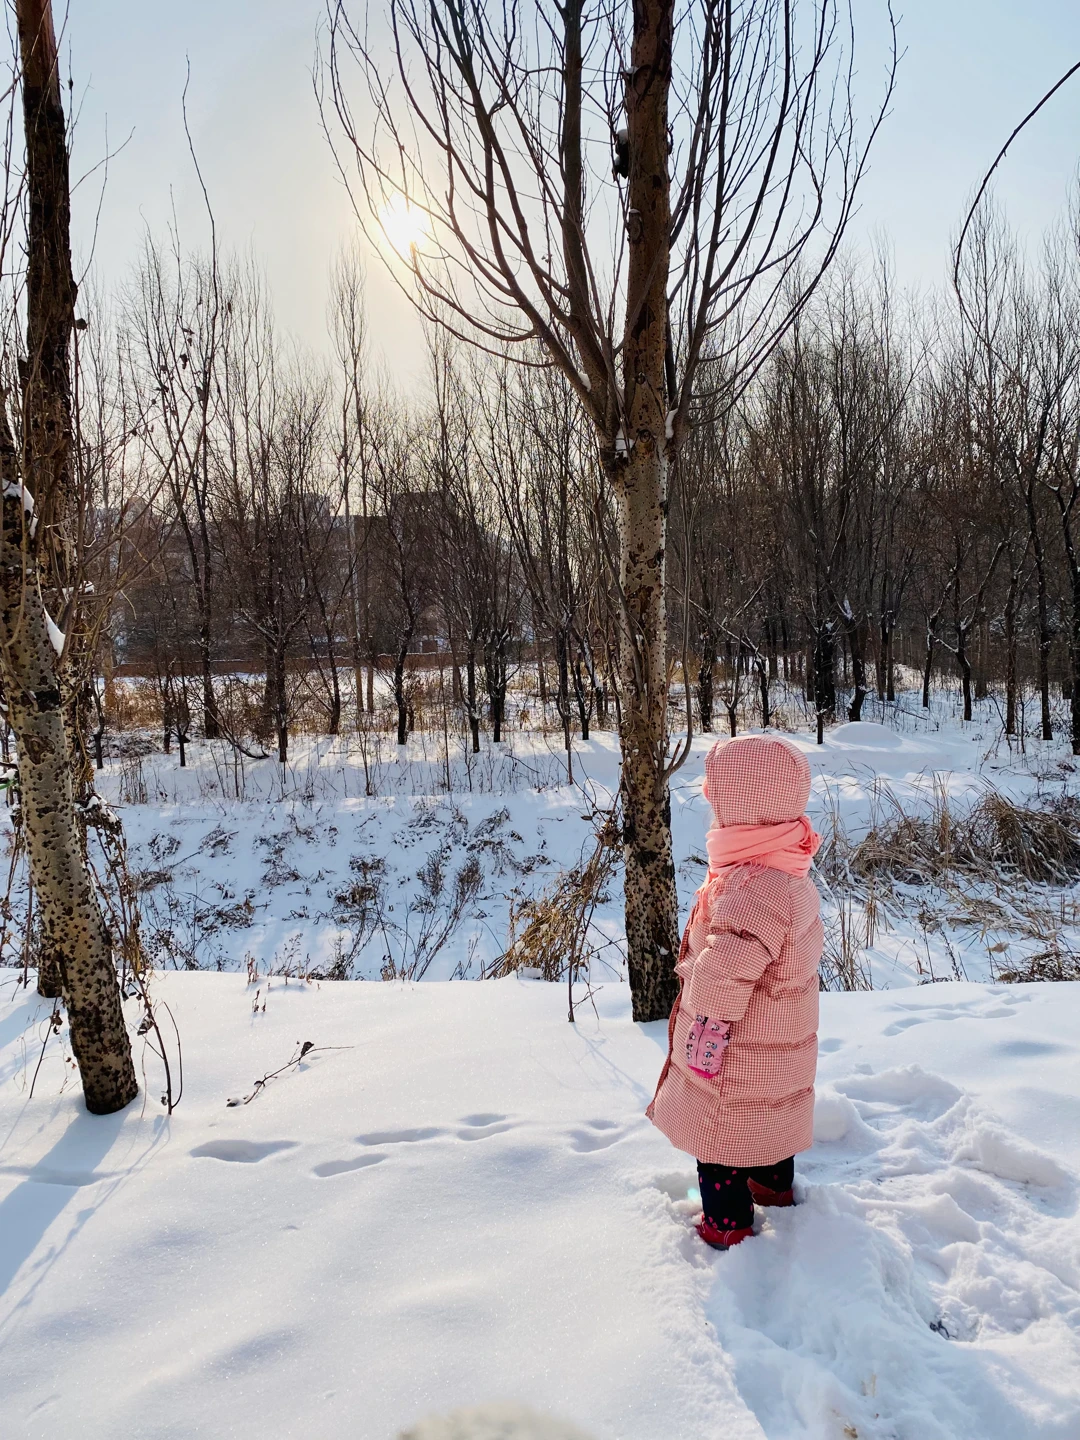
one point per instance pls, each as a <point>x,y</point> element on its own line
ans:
<point>758,787</point>
<point>738,1085</point>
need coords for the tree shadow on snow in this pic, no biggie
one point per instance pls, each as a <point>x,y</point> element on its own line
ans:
<point>68,1174</point>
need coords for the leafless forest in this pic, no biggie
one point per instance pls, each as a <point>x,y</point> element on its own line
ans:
<point>677,455</point>
<point>278,544</point>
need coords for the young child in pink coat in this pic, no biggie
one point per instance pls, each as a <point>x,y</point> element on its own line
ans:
<point>737,1091</point>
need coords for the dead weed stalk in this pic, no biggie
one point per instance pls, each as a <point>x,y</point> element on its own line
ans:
<point>551,934</point>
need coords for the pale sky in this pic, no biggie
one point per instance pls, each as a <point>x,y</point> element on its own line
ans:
<point>972,68</point>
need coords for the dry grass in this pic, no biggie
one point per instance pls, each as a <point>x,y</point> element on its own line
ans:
<point>996,837</point>
<point>998,875</point>
<point>551,933</point>
<point>1053,964</point>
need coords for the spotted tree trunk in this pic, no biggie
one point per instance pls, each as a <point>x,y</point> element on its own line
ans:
<point>75,958</point>
<point>75,943</point>
<point>638,471</point>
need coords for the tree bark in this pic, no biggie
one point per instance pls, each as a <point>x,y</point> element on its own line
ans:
<point>1010,655</point>
<point>764,675</point>
<point>75,959</point>
<point>639,475</point>
<point>982,666</point>
<point>470,698</point>
<point>1045,638</point>
<point>705,680</point>
<point>932,622</point>
<point>964,662</point>
<point>401,698</point>
<point>856,638</point>
<point>496,679</point>
<point>75,943</point>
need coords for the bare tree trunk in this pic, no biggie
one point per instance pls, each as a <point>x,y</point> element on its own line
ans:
<point>764,674</point>
<point>401,698</point>
<point>1044,617</point>
<point>890,665</point>
<point>651,908</point>
<point>964,662</point>
<point>982,659</point>
<point>75,944</point>
<point>211,719</point>
<point>856,636</point>
<point>932,622</point>
<point>280,704</point>
<point>562,698</point>
<point>75,958</point>
<point>496,679</point>
<point>637,472</point>
<point>705,681</point>
<point>824,677</point>
<point>1010,655</point>
<point>581,696</point>
<point>470,697</point>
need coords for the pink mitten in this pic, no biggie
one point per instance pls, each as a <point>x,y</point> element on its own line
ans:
<point>705,1046</point>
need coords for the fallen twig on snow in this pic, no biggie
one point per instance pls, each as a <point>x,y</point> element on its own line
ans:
<point>307,1048</point>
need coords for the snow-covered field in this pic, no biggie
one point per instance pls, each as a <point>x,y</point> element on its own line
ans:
<point>466,1205</point>
<point>305,873</point>
<point>455,1198</point>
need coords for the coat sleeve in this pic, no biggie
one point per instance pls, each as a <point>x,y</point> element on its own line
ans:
<point>745,935</point>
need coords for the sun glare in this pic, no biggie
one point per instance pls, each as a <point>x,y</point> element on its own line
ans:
<point>405,225</point>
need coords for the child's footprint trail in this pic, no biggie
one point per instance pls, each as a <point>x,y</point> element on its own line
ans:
<point>378,1145</point>
<point>933,1255</point>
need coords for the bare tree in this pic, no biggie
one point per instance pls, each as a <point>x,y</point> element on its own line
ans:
<point>348,326</point>
<point>732,132</point>
<point>35,550</point>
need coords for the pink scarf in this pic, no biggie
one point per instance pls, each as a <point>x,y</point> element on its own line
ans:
<point>789,846</point>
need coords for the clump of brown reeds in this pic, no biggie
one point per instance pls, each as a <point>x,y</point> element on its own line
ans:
<point>843,965</point>
<point>998,868</point>
<point>1052,964</point>
<point>995,837</point>
<point>551,934</point>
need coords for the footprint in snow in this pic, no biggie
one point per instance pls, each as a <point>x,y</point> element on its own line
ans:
<point>596,1135</point>
<point>479,1127</point>
<point>473,1127</point>
<point>952,1218</point>
<point>243,1152</point>
<point>400,1137</point>
<point>342,1167</point>
<point>961,1010</point>
<point>593,1135</point>
<point>676,1186</point>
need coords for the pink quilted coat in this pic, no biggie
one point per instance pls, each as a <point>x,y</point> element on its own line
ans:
<point>749,957</point>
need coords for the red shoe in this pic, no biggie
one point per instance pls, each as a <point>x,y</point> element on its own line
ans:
<point>764,1196</point>
<point>720,1239</point>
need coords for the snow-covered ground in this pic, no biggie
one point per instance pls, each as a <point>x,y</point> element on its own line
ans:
<point>466,1205</point>
<point>305,873</point>
<point>454,1199</point>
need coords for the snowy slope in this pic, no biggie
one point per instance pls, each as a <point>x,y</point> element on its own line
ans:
<point>467,1206</point>
<point>267,876</point>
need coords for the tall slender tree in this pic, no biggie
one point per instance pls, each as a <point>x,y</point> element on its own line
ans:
<point>735,166</point>
<point>36,553</point>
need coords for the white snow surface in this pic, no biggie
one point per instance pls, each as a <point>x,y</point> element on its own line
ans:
<point>244,860</point>
<point>466,1206</point>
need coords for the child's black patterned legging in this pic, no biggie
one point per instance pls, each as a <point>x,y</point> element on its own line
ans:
<point>725,1195</point>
